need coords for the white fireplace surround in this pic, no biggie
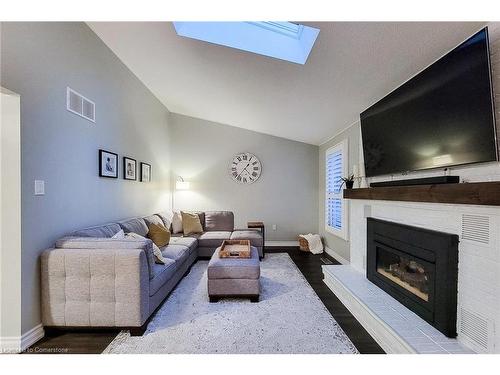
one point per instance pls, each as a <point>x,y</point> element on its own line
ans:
<point>478,228</point>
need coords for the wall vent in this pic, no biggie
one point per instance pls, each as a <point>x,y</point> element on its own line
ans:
<point>80,105</point>
<point>475,328</point>
<point>476,228</point>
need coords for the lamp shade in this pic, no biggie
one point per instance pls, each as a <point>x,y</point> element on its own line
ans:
<point>182,185</point>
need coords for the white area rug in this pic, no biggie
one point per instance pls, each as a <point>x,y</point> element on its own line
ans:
<point>290,318</point>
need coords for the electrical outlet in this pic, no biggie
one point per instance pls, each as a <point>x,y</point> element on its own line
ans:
<point>275,227</point>
<point>39,187</point>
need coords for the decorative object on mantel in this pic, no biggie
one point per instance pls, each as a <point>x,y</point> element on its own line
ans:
<point>348,181</point>
<point>478,193</point>
<point>355,173</point>
<point>245,168</point>
<point>129,169</point>
<point>362,183</point>
<point>235,249</point>
<point>311,243</point>
<point>108,164</point>
<point>145,172</point>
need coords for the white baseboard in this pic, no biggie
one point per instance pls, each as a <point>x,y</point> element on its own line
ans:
<point>336,256</point>
<point>282,243</point>
<point>17,344</point>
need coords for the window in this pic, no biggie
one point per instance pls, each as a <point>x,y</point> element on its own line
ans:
<point>335,205</point>
<point>282,40</point>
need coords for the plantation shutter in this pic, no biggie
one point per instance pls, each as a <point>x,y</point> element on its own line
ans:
<point>335,170</point>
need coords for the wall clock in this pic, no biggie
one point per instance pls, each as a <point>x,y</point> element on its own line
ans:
<point>245,168</point>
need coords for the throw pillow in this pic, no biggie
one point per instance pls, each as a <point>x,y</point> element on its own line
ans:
<point>156,250</point>
<point>120,234</point>
<point>159,234</point>
<point>191,223</point>
<point>166,217</point>
<point>177,222</point>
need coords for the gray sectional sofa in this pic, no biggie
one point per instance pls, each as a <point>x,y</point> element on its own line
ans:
<point>92,280</point>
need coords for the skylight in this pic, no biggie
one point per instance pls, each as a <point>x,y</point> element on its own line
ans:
<point>281,40</point>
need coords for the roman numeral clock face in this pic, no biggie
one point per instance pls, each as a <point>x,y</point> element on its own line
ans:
<point>245,168</point>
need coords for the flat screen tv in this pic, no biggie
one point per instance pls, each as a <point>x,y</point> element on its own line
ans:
<point>442,117</point>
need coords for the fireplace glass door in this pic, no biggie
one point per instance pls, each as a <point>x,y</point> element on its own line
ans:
<point>405,271</point>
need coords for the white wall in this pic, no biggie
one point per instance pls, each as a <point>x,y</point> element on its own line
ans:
<point>10,219</point>
<point>286,193</point>
<point>39,60</point>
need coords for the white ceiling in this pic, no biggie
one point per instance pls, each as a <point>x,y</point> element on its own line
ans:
<point>351,66</point>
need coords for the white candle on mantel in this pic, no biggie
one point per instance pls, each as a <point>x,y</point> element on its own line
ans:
<point>355,170</point>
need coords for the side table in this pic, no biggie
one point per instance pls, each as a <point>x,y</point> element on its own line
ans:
<point>259,225</point>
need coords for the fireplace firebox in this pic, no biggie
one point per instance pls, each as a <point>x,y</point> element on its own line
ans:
<point>418,267</point>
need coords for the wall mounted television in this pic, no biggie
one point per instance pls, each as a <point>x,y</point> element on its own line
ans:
<point>442,117</point>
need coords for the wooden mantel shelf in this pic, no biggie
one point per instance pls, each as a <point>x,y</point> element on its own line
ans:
<point>480,193</point>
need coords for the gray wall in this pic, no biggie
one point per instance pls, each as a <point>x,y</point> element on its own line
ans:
<point>38,61</point>
<point>352,134</point>
<point>286,193</point>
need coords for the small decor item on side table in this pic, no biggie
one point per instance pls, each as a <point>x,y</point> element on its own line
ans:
<point>235,249</point>
<point>145,172</point>
<point>348,181</point>
<point>129,169</point>
<point>108,164</point>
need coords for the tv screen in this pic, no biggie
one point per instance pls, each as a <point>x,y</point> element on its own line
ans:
<point>443,116</point>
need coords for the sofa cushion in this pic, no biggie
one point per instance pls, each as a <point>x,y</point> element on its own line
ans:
<point>213,239</point>
<point>178,253</point>
<point>190,242</point>
<point>234,268</point>
<point>201,215</point>
<point>191,223</point>
<point>255,236</point>
<point>159,234</point>
<point>166,217</point>
<point>161,274</point>
<point>154,219</point>
<point>90,243</point>
<point>136,225</point>
<point>177,222</point>
<point>102,231</point>
<point>158,257</point>
<point>219,221</point>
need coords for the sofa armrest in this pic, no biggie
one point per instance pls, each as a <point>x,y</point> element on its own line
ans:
<point>94,287</point>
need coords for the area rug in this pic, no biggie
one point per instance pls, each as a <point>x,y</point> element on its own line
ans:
<point>290,318</point>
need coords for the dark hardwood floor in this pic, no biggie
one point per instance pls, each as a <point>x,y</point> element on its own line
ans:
<point>310,266</point>
<point>81,342</point>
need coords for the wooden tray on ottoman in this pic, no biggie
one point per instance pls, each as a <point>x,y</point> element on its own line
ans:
<point>235,249</point>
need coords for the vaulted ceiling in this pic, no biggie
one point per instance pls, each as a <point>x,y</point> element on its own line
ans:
<point>351,66</point>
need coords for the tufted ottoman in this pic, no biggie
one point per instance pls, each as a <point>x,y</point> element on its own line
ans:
<point>234,277</point>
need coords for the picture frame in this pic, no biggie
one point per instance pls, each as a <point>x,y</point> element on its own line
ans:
<point>129,169</point>
<point>108,164</point>
<point>145,172</point>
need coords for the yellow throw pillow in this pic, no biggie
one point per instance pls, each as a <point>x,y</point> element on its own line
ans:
<point>191,223</point>
<point>159,234</point>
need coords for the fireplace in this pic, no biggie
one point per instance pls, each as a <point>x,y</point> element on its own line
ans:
<point>418,267</point>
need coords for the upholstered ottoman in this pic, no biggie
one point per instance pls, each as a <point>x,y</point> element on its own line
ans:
<point>234,277</point>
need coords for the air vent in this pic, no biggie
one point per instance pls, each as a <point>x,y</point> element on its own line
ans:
<point>475,328</point>
<point>80,105</point>
<point>476,228</point>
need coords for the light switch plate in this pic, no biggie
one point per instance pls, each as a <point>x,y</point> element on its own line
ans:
<point>275,227</point>
<point>39,187</point>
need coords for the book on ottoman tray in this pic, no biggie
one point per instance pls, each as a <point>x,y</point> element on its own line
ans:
<point>235,249</point>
